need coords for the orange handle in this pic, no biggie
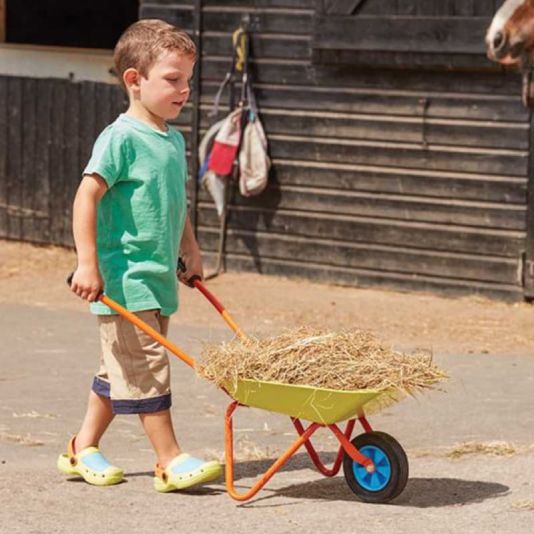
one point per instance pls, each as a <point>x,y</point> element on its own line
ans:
<point>147,329</point>
<point>195,281</point>
<point>219,307</point>
<point>154,334</point>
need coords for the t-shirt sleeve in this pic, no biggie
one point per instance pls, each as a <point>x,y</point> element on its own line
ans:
<point>108,158</point>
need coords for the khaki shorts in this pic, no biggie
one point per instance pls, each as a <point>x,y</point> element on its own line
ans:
<point>134,369</point>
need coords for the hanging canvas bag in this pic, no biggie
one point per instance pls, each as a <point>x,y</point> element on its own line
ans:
<point>213,183</point>
<point>226,144</point>
<point>254,162</point>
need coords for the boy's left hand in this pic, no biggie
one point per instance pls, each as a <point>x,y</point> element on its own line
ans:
<point>193,267</point>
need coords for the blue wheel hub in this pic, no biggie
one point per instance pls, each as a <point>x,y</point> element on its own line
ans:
<point>377,480</point>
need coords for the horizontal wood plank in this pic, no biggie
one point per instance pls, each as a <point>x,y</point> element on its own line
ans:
<point>438,35</point>
<point>327,253</point>
<point>447,238</point>
<point>264,20</point>
<point>377,100</point>
<point>385,128</point>
<point>302,73</point>
<point>369,278</point>
<point>402,60</point>
<point>451,8</point>
<point>401,181</point>
<point>432,157</point>
<point>263,45</point>
<point>397,207</point>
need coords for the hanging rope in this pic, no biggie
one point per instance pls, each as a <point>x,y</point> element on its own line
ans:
<point>239,40</point>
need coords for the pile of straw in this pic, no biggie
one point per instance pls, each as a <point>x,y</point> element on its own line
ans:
<point>343,361</point>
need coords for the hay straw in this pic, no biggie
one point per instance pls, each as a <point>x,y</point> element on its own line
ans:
<point>342,361</point>
<point>523,505</point>
<point>492,448</point>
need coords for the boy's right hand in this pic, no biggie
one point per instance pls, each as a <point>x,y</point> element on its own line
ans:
<point>87,283</point>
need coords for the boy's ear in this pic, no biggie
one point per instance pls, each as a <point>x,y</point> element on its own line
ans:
<point>130,78</point>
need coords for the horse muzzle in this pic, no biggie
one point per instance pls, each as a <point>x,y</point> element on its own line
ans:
<point>501,49</point>
<point>498,46</point>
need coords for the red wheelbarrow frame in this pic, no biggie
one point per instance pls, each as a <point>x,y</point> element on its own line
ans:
<point>304,433</point>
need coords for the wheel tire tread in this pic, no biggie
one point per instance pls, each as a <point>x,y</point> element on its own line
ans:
<point>398,461</point>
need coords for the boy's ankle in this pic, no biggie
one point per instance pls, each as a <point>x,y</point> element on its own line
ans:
<point>164,460</point>
<point>79,445</point>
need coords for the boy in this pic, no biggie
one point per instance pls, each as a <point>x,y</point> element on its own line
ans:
<point>130,222</point>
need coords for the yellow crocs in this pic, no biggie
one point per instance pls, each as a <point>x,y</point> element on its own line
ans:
<point>184,472</point>
<point>90,464</point>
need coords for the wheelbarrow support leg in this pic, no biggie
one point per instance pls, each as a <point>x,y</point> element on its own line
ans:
<point>334,470</point>
<point>229,450</point>
<point>351,450</point>
<point>365,424</point>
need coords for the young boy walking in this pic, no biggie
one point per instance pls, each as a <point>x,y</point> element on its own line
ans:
<point>130,223</point>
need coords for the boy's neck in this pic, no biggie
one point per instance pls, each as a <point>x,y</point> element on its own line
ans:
<point>139,112</point>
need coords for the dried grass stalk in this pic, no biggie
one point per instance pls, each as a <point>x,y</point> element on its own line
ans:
<point>493,448</point>
<point>523,505</point>
<point>343,361</point>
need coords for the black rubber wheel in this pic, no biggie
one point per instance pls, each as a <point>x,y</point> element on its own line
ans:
<point>391,474</point>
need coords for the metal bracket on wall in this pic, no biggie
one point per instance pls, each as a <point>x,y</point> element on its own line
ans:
<point>425,104</point>
<point>529,269</point>
<point>251,22</point>
<point>528,89</point>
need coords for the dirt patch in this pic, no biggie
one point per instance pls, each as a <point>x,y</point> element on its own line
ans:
<point>36,275</point>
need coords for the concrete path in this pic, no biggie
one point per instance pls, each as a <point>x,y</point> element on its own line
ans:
<point>48,357</point>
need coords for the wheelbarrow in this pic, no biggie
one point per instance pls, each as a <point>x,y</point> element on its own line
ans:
<point>374,463</point>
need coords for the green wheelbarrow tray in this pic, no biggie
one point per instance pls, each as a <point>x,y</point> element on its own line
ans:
<point>318,405</point>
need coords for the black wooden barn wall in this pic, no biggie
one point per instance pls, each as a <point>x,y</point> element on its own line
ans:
<point>404,178</point>
<point>47,129</point>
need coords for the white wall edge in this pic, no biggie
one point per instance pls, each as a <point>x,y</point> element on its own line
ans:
<point>56,62</point>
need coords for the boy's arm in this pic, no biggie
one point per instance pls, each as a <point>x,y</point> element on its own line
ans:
<point>190,254</point>
<point>87,281</point>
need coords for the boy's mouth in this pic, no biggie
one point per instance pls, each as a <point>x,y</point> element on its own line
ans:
<point>178,103</point>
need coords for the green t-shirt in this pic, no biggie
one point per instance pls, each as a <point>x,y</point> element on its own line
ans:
<point>141,217</point>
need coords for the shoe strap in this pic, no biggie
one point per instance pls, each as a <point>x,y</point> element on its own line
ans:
<point>160,472</point>
<point>163,473</point>
<point>70,447</point>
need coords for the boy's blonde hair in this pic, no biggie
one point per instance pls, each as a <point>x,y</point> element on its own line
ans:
<point>142,42</point>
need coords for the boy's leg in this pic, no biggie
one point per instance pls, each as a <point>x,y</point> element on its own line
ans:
<point>139,374</point>
<point>97,418</point>
<point>159,429</point>
<point>83,457</point>
<point>139,377</point>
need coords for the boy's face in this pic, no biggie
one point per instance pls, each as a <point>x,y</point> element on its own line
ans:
<point>165,90</point>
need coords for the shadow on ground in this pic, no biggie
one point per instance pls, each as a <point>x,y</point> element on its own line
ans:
<point>419,492</point>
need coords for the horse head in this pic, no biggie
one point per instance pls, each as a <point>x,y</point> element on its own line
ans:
<point>510,37</point>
